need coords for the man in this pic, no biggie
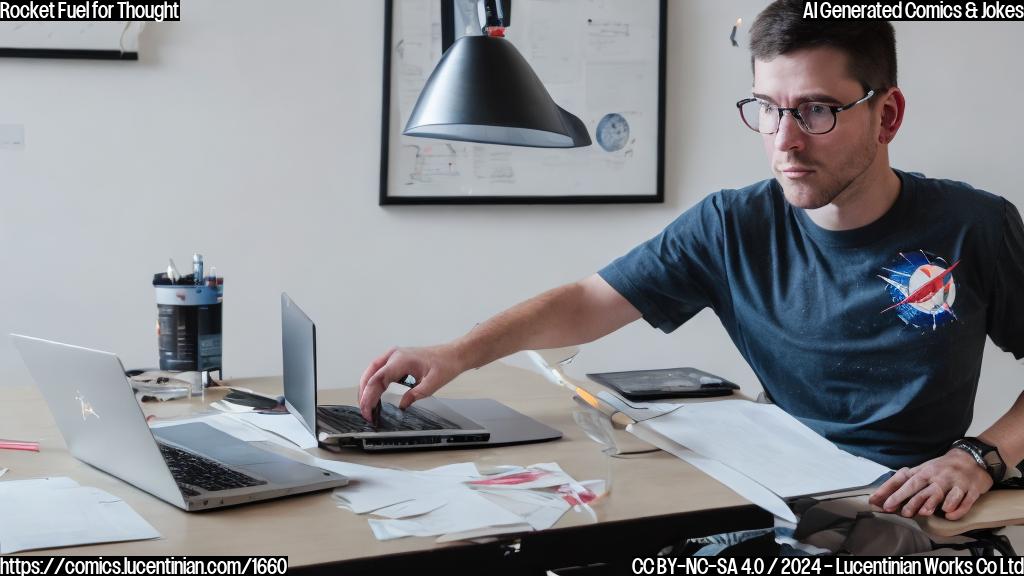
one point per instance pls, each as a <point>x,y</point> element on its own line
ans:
<point>860,295</point>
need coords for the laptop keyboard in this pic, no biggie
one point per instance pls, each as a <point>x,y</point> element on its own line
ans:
<point>347,419</point>
<point>192,470</point>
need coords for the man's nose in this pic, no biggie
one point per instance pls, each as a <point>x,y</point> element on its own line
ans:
<point>789,136</point>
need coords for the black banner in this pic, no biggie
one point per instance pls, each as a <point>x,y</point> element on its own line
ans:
<point>131,565</point>
<point>817,565</point>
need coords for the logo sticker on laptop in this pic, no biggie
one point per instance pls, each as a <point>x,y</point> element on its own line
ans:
<point>86,407</point>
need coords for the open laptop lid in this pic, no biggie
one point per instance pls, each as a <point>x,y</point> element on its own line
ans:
<point>95,409</point>
<point>298,352</point>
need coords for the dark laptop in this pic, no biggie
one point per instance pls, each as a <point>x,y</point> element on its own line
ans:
<point>430,423</point>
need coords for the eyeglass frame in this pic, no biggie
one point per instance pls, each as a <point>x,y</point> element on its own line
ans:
<point>795,113</point>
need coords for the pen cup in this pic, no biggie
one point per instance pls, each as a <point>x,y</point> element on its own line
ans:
<point>189,328</point>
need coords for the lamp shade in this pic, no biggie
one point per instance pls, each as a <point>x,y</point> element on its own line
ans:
<point>483,90</point>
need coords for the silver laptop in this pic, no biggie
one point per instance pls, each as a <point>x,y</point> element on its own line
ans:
<point>193,466</point>
<point>430,423</point>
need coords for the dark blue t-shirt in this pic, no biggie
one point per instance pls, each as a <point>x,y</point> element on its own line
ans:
<point>872,337</point>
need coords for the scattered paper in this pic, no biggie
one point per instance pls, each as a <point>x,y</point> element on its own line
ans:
<point>370,488</point>
<point>415,507</point>
<point>52,512</point>
<point>284,425</point>
<point>536,476</point>
<point>540,510</point>
<point>465,511</point>
<point>455,502</point>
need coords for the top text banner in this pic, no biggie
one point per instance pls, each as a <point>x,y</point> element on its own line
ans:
<point>86,10</point>
<point>965,10</point>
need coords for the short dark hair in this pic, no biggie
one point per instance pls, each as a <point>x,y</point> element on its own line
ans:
<point>870,45</point>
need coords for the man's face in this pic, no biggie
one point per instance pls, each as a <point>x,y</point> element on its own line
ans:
<point>814,169</point>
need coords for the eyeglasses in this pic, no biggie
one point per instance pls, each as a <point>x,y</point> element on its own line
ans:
<point>812,117</point>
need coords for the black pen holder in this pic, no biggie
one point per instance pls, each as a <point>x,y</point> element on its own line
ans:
<point>189,326</point>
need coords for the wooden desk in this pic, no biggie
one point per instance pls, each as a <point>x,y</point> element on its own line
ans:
<point>656,498</point>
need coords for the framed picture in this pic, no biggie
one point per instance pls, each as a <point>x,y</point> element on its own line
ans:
<point>101,39</point>
<point>602,60</point>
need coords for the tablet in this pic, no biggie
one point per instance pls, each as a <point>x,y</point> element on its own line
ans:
<point>665,383</point>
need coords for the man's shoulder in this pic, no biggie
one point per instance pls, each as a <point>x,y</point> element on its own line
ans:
<point>958,197</point>
<point>753,197</point>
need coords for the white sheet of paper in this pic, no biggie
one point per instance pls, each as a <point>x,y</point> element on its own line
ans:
<point>420,505</point>
<point>544,475</point>
<point>3,471</point>
<point>467,511</point>
<point>284,425</point>
<point>540,509</point>
<point>764,443</point>
<point>740,484</point>
<point>372,488</point>
<point>52,512</point>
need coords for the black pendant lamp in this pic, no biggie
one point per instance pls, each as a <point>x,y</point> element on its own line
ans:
<point>484,91</point>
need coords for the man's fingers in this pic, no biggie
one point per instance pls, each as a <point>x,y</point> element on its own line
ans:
<point>917,501</point>
<point>375,388</point>
<point>932,502</point>
<point>889,486</point>
<point>427,386</point>
<point>953,499</point>
<point>373,367</point>
<point>965,505</point>
<point>908,489</point>
<point>411,396</point>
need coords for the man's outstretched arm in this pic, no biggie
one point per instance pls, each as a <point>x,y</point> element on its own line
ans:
<point>573,314</point>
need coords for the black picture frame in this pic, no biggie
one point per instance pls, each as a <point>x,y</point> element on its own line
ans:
<point>387,128</point>
<point>65,54</point>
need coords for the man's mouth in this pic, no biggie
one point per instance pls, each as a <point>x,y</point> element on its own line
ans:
<point>794,172</point>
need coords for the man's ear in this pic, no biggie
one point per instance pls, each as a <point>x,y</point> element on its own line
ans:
<point>892,115</point>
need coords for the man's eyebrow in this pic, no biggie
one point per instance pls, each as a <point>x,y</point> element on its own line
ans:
<point>816,97</point>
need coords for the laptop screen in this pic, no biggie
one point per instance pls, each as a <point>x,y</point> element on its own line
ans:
<point>298,352</point>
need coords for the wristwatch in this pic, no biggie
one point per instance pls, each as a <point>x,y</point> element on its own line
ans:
<point>986,455</point>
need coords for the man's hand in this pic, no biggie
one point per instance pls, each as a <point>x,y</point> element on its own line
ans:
<point>433,367</point>
<point>953,481</point>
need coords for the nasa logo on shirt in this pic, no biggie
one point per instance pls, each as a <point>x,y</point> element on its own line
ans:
<point>922,289</point>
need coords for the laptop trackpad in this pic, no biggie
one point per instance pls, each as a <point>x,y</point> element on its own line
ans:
<point>211,442</point>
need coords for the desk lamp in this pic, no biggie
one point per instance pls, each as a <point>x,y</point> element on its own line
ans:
<point>483,90</point>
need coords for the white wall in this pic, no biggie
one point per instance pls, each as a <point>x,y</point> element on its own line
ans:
<point>250,132</point>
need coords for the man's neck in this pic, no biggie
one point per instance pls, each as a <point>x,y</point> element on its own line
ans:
<point>867,199</point>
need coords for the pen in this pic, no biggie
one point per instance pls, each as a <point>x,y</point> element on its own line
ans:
<point>172,271</point>
<point>404,381</point>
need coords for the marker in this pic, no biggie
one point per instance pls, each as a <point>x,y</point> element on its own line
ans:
<point>197,269</point>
